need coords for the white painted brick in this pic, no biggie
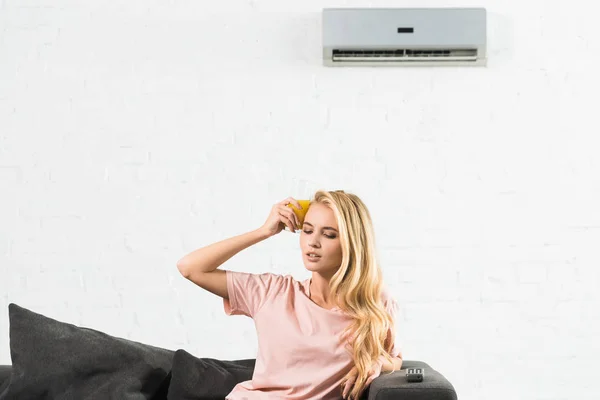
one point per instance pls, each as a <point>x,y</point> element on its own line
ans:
<point>10,175</point>
<point>531,273</point>
<point>122,150</point>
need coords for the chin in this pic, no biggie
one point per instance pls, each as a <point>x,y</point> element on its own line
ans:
<point>316,268</point>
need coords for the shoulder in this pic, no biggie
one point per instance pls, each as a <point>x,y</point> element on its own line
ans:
<point>386,294</point>
<point>264,280</point>
<point>285,283</point>
<point>289,283</point>
<point>389,300</point>
<point>272,280</point>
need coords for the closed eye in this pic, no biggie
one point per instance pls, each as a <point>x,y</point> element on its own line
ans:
<point>329,236</point>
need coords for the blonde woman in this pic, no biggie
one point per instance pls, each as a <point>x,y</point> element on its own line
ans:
<point>326,337</point>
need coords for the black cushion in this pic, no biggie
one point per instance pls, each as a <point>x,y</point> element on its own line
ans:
<point>60,361</point>
<point>195,378</point>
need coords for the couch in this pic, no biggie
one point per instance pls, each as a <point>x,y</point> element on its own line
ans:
<point>57,360</point>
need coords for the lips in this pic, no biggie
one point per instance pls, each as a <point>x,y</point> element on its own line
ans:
<point>315,255</point>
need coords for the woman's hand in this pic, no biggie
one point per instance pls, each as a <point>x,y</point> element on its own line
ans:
<point>280,216</point>
<point>373,373</point>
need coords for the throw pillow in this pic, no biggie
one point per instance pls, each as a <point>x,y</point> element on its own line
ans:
<point>195,378</point>
<point>60,361</point>
<point>5,371</point>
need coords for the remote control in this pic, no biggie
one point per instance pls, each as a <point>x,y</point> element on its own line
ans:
<point>414,374</point>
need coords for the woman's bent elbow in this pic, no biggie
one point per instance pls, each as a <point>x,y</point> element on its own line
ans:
<point>183,269</point>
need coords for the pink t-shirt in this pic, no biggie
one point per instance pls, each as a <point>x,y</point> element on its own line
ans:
<point>300,353</point>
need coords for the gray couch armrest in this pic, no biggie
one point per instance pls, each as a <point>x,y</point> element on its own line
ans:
<point>395,385</point>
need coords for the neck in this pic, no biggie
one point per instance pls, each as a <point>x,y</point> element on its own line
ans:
<point>319,289</point>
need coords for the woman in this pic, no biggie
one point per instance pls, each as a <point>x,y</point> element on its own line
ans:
<point>325,337</point>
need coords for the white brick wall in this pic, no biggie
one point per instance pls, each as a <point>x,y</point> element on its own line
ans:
<point>132,133</point>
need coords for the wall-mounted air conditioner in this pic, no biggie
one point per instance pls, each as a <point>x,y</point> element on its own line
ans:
<point>404,36</point>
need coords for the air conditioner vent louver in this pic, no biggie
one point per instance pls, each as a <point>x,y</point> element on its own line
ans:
<point>407,55</point>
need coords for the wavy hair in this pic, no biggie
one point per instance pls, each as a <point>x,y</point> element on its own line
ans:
<point>357,286</point>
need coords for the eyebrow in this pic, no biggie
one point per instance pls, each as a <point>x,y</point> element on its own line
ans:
<point>325,227</point>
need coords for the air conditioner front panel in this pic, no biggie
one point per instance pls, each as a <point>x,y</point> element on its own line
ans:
<point>379,26</point>
<point>404,36</point>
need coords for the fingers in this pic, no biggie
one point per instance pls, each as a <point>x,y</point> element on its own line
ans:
<point>348,385</point>
<point>290,215</point>
<point>369,380</point>
<point>352,379</point>
<point>346,392</point>
<point>288,219</point>
<point>292,201</point>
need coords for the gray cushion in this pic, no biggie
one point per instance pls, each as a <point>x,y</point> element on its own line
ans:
<point>61,361</point>
<point>196,378</point>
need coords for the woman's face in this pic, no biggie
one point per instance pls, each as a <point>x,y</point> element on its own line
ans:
<point>320,235</point>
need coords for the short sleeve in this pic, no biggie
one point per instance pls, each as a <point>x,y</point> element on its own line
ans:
<point>247,292</point>
<point>392,308</point>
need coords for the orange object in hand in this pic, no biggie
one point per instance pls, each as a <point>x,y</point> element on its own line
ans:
<point>300,213</point>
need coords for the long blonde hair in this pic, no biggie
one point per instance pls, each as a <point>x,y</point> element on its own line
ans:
<point>358,284</point>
